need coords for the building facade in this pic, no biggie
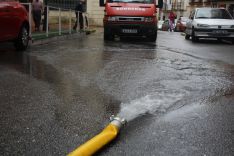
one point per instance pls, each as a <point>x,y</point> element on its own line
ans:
<point>65,4</point>
<point>228,4</point>
<point>184,7</point>
<point>179,7</point>
<point>95,12</point>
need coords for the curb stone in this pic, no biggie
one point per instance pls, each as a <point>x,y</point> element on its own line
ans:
<point>56,38</point>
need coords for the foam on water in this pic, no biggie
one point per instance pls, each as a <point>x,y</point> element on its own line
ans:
<point>148,104</point>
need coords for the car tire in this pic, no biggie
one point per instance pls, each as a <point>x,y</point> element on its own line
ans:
<point>187,36</point>
<point>108,35</point>
<point>194,38</point>
<point>21,43</point>
<point>219,39</point>
<point>232,40</point>
<point>153,38</point>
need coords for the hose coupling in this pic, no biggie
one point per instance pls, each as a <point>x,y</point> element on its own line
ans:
<point>117,121</point>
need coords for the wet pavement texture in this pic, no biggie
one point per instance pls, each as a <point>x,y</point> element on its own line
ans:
<point>178,95</point>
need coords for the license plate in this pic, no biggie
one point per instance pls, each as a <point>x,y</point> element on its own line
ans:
<point>220,32</point>
<point>129,31</point>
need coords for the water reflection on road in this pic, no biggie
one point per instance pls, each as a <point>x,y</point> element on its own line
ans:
<point>98,71</point>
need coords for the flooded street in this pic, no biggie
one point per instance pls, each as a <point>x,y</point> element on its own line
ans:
<point>177,96</point>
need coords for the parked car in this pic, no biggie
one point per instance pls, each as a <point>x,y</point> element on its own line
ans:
<point>14,24</point>
<point>210,23</point>
<point>165,25</point>
<point>181,24</point>
<point>160,22</point>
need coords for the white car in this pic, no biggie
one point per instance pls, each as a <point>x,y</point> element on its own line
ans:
<point>210,23</point>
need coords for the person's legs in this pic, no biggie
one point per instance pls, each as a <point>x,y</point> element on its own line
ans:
<point>171,25</point>
<point>37,15</point>
<point>35,20</point>
<point>86,21</point>
<point>39,20</point>
<point>81,20</point>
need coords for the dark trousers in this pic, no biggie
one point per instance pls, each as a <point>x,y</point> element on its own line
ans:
<point>86,21</point>
<point>80,21</point>
<point>37,18</point>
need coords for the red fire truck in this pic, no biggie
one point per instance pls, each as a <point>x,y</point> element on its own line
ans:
<point>130,18</point>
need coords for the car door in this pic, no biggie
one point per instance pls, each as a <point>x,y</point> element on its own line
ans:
<point>3,20</point>
<point>17,16</point>
<point>7,20</point>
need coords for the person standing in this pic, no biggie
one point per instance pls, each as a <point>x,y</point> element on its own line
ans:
<point>79,15</point>
<point>171,20</point>
<point>37,7</point>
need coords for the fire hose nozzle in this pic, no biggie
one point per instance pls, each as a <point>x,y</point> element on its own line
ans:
<point>117,121</point>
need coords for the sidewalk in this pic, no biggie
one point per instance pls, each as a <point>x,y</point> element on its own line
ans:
<point>53,35</point>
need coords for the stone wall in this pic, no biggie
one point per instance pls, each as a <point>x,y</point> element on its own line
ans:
<point>95,13</point>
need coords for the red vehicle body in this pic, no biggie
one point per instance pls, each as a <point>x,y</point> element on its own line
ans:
<point>14,25</point>
<point>181,24</point>
<point>130,18</point>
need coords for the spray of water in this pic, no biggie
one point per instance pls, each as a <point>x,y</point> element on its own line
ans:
<point>148,104</point>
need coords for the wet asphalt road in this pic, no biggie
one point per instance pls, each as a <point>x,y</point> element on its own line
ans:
<point>55,97</point>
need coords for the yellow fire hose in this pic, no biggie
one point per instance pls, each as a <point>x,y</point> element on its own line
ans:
<point>100,140</point>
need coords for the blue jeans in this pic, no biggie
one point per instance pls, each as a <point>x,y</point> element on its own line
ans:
<point>171,25</point>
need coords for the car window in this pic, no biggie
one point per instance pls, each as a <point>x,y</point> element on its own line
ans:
<point>220,13</point>
<point>213,13</point>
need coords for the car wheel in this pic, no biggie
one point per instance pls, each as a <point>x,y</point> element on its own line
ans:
<point>108,35</point>
<point>22,40</point>
<point>194,38</point>
<point>232,40</point>
<point>187,36</point>
<point>153,38</point>
<point>219,39</point>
